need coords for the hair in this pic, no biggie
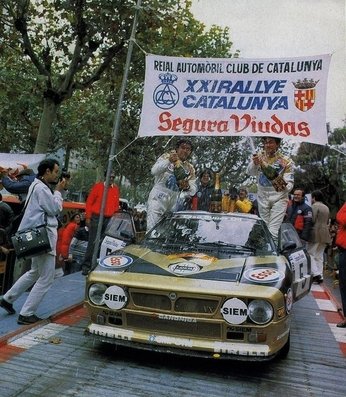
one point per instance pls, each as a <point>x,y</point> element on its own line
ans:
<point>182,141</point>
<point>317,195</point>
<point>206,171</point>
<point>73,216</point>
<point>44,164</point>
<point>0,197</point>
<point>301,189</point>
<point>277,140</point>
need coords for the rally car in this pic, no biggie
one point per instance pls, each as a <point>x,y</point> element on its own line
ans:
<point>199,284</point>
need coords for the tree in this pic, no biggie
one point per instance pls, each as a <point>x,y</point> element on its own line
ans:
<point>323,168</point>
<point>72,44</point>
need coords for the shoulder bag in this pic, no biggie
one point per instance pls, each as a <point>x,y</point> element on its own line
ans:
<point>32,241</point>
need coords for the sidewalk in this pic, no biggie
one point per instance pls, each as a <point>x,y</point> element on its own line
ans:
<point>331,286</point>
<point>66,292</point>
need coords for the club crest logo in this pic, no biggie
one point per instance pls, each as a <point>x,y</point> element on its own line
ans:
<point>166,95</point>
<point>305,94</point>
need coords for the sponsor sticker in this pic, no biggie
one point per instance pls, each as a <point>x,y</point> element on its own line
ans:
<point>263,275</point>
<point>234,311</point>
<point>115,297</point>
<point>184,268</point>
<point>116,261</point>
<point>289,300</point>
<point>297,257</point>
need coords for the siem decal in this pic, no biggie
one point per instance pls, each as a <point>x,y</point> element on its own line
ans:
<point>115,297</point>
<point>234,311</point>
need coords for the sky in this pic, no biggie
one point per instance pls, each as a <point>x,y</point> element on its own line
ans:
<point>287,28</point>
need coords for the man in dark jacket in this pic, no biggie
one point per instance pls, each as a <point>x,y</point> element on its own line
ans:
<point>6,217</point>
<point>19,185</point>
<point>204,190</point>
<point>299,213</point>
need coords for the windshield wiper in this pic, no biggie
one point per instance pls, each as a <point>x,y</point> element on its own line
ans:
<point>242,247</point>
<point>228,245</point>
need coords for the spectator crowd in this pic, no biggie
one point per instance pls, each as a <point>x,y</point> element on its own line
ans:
<point>176,187</point>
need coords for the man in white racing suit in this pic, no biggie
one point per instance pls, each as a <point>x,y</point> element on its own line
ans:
<point>174,180</point>
<point>275,180</point>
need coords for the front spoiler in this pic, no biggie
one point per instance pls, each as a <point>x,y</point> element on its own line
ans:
<point>222,350</point>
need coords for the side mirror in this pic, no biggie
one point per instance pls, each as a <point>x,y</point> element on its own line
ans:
<point>127,236</point>
<point>288,245</point>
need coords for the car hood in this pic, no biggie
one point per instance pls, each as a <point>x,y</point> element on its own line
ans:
<point>270,270</point>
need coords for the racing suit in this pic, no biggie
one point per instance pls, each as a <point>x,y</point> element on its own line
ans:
<point>272,204</point>
<point>164,195</point>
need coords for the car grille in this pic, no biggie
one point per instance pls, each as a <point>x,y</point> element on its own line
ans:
<point>155,324</point>
<point>180,305</point>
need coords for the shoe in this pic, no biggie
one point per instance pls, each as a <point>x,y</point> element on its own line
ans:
<point>342,324</point>
<point>58,272</point>
<point>317,279</point>
<point>7,306</point>
<point>28,319</point>
<point>85,271</point>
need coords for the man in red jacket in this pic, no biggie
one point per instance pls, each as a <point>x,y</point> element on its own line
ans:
<point>341,244</point>
<point>92,214</point>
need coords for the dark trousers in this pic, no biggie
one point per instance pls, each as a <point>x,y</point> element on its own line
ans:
<point>94,221</point>
<point>342,278</point>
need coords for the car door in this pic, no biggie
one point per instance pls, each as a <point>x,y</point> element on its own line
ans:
<point>120,232</point>
<point>292,248</point>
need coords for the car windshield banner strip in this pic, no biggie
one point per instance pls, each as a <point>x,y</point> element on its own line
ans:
<point>284,98</point>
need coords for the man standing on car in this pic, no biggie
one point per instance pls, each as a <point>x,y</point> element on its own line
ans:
<point>299,213</point>
<point>43,206</point>
<point>92,215</point>
<point>174,179</point>
<point>275,179</point>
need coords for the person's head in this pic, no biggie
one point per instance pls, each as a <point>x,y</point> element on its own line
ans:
<point>184,149</point>
<point>48,170</point>
<point>111,176</point>
<point>76,218</point>
<point>317,195</point>
<point>25,172</point>
<point>242,193</point>
<point>205,177</point>
<point>298,195</point>
<point>271,145</point>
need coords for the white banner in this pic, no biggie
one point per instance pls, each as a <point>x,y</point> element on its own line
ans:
<point>284,98</point>
<point>15,161</point>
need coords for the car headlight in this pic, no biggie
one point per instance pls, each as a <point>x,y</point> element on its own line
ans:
<point>260,311</point>
<point>96,293</point>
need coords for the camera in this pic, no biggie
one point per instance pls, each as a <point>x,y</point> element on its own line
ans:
<point>64,174</point>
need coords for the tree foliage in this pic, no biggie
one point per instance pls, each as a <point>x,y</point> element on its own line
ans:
<point>324,168</point>
<point>73,52</point>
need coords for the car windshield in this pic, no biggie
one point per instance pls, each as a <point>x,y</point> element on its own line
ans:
<point>242,234</point>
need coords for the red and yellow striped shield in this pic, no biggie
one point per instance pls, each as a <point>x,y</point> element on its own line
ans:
<point>304,99</point>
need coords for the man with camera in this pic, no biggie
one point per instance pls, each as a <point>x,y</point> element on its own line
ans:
<point>42,207</point>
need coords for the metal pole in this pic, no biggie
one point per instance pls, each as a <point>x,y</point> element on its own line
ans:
<point>115,133</point>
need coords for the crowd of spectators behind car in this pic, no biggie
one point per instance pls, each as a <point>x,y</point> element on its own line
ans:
<point>318,232</point>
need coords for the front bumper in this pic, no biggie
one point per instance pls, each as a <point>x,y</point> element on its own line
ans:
<point>185,346</point>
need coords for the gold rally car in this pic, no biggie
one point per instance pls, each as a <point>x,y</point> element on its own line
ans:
<point>198,284</point>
